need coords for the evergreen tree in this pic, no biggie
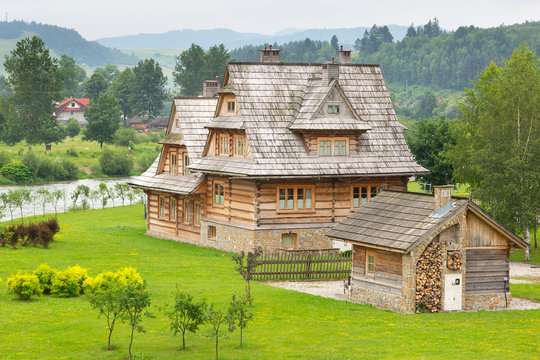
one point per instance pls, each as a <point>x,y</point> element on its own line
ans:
<point>73,76</point>
<point>190,70</point>
<point>36,83</point>
<point>334,43</point>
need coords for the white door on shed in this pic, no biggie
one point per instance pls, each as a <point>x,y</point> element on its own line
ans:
<point>453,286</point>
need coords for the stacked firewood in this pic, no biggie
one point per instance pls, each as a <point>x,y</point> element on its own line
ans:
<point>454,260</point>
<point>428,278</point>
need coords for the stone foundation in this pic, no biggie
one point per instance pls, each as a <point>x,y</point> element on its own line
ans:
<point>477,302</point>
<point>381,300</point>
<point>237,238</point>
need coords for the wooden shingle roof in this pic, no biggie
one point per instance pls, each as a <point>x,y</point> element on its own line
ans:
<point>175,184</point>
<point>393,219</point>
<point>399,220</point>
<point>271,97</point>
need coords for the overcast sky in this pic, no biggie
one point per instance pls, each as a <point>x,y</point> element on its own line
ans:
<point>106,18</point>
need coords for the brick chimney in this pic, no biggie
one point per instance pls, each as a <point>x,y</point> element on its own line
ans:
<point>344,56</point>
<point>210,87</point>
<point>269,55</point>
<point>443,194</point>
<point>330,71</point>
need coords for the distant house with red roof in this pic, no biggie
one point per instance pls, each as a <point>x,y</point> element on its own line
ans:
<point>72,109</point>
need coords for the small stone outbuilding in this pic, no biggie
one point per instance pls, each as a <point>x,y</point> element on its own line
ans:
<point>414,252</point>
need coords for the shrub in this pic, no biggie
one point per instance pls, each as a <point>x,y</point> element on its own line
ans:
<point>17,172</point>
<point>69,283</point>
<point>45,275</point>
<point>71,170</point>
<point>45,235</point>
<point>73,128</point>
<point>123,136</point>
<point>53,225</point>
<point>24,285</point>
<point>32,234</point>
<point>31,160</point>
<point>128,276</point>
<point>72,152</point>
<point>115,163</point>
<point>146,160</point>
<point>4,159</point>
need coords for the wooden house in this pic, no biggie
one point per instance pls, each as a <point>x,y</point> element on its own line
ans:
<point>72,109</point>
<point>416,252</point>
<point>276,156</point>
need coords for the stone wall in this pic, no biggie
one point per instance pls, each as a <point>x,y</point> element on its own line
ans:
<point>380,299</point>
<point>475,302</point>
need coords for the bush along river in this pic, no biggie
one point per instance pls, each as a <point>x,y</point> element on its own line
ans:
<point>29,200</point>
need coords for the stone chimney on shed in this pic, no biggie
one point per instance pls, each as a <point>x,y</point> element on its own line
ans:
<point>210,87</point>
<point>330,71</point>
<point>269,55</point>
<point>443,194</point>
<point>344,56</point>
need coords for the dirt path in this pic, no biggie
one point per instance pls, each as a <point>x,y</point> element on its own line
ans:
<point>334,288</point>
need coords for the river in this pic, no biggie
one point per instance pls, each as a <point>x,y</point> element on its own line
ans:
<point>36,207</point>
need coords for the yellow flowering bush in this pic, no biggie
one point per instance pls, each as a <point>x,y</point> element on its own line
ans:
<point>24,285</point>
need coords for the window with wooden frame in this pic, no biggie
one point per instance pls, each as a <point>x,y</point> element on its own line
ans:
<point>239,142</point>
<point>361,194</point>
<point>224,144</point>
<point>185,163</point>
<point>198,211</point>
<point>173,162</point>
<point>174,209</point>
<point>163,204</point>
<point>231,106</point>
<point>333,146</point>
<point>370,262</point>
<point>333,109</point>
<point>288,240</point>
<point>211,232</point>
<point>188,211</point>
<point>296,198</point>
<point>219,192</point>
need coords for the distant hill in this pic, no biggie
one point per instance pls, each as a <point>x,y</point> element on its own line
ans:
<point>182,39</point>
<point>65,41</point>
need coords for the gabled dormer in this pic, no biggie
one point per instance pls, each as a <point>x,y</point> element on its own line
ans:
<point>327,120</point>
<point>227,134</point>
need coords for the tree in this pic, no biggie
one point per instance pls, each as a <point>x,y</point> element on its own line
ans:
<point>104,194</point>
<point>121,191</point>
<point>122,89</point>
<point>10,128</point>
<point>238,314</point>
<point>103,119</point>
<point>106,298</point>
<point>498,140</point>
<point>134,302</point>
<point>7,200</point>
<point>424,108</point>
<point>110,73</point>
<point>185,315</point>
<point>56,195</point>
<point>429,139</point>
<point>83,192</point>
<point>189,70</point>
<point>244,266</point>
<point>73,76</point>
<point>334,43</point>
<point>95,86</point>
<point>215,317</point>
<point>411,31</point>
<point>215,62</point>
<point>148,87</point>
<point>73,128</point>
<point>44,196</point>
<point>35,82</point>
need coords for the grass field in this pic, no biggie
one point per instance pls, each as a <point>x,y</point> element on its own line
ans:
<point>287,324</point>
<point>88,153</point>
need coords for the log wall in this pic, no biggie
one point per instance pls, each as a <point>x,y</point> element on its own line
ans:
<point>388,271</point>
<point>239,203</point>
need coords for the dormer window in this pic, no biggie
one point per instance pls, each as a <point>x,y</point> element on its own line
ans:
<point>333,146</point>
<point>73,104</point>
<point>224,144</point>
<point>231,106</point>
<point>333,109</point>
<point>231,144</point>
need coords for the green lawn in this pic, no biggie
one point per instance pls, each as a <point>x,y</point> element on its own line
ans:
<point>519,255</point>
<point>287,324</point>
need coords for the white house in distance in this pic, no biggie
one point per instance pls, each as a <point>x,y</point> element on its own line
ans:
<point>72,109</point>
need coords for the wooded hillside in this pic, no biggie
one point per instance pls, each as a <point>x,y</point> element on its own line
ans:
<point>67,41</point>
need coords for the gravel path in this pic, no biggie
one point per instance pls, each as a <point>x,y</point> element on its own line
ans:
<point>334,288</point>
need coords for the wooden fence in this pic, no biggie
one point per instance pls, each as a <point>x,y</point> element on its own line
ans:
<point>302,265</point>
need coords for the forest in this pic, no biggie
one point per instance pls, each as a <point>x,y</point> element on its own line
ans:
<point>69,42</point>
